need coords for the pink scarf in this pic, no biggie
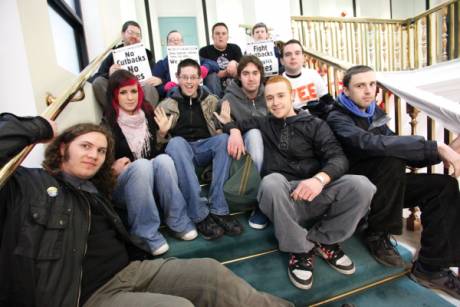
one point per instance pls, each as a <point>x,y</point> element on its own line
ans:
<point>136,132</point>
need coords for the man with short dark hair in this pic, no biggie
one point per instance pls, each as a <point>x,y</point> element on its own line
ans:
<point>260,33</point>
<point>379,154</point>
<point>194,140</point>
<point>309,88</point>
<point>62,243</point>
<point>209,69</point>
<point>130,34</point>
<point>303,168</point>
<point>227,55</point>
<point>246,98</point>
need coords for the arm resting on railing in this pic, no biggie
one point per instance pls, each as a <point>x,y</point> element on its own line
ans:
<point>19,132</point>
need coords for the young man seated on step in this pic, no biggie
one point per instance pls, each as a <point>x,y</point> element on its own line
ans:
<point>62,243</point>
<point>382,156</point>
<point>303,180</point>
<point>194,141</point>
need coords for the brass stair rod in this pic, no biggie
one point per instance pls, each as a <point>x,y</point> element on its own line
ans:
<point>53,111</point>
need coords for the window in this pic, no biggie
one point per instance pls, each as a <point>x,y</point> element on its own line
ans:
<point>68,34</point>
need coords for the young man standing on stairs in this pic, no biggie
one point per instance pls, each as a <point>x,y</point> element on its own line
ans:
<point>303,168</point>
<point>62,243</point>
<point>377,153</point>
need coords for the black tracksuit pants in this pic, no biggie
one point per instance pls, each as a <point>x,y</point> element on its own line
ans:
<point>436,195</point>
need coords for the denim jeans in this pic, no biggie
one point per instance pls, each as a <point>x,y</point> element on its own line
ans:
<point>188,155</point>
<point>255,147</point>
<point>142,187</point>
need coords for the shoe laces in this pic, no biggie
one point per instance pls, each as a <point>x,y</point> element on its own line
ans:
<point>332,251</point>
<point>453,282</point>
<point>301,260</point>
<point>387,241</point>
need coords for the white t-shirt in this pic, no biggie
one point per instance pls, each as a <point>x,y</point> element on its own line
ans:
<point>309,86</point>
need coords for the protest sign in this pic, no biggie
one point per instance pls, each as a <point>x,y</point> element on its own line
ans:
<point>179,53</point>
<point>265,51</point>
<point>134,59</point>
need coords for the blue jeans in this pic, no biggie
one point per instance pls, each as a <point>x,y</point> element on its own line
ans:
<point>255,147</point>
<point>188,155</point>
<point>142,186</point>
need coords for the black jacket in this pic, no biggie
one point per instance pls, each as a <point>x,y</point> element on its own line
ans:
<point>42,238</point>
<point>298,147</point>
<point>362,139</point>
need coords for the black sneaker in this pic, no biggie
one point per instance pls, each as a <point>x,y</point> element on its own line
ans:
<point>300,270</point>
<point>336,258</point>
<point>383,249</point>
<point>229,223</point>
<point>444,280</point>
<point>209,229</point>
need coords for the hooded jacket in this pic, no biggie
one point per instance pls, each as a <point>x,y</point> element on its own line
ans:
<point>297,147</point>
<point>241,106</point>
<point>208,104</point>
<point>364,138</point>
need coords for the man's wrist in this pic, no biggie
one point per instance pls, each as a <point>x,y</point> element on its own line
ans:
<point>320,179</point>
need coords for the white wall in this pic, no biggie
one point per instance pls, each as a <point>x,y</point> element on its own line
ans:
<point>373,9</point>
<point>330,8</point>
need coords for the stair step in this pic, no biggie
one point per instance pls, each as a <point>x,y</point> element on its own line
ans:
<point>402,292</point>
<point>226,248</point>
<point>269,273</point>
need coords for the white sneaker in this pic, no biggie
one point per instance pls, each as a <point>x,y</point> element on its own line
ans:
<point>189,235</point>
<point>161,250</point>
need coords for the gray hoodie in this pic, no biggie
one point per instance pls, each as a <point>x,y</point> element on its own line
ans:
<point>242,107</point>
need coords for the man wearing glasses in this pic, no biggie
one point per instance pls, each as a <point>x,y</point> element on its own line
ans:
<point>209,69</point>
<point>131,34</point>
<point>195,141</point>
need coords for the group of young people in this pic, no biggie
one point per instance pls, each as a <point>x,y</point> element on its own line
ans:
<point>332,162</point>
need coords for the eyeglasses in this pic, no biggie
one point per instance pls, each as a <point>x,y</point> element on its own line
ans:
<point>134,33</point>
<point>189,78</point>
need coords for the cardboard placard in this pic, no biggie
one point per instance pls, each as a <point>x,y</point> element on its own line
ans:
<point>265,51</point>
<point>134,59</point>
<point>179,53</point>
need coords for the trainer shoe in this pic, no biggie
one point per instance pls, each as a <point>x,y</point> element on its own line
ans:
<point>161,250</point>
<point>383,249</point>
<point>300,269</point>
<point>444,280</point>
<point>336,258</point>
<point>187,235</point>
<point>258,220</point>
<point>209,229</point>
<point>229,223</point>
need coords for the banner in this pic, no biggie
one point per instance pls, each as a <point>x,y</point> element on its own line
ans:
<point>265,51</point>
<point>134,59</point>
<point>179,53</point>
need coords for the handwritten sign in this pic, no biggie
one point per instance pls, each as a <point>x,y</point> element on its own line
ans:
<point>134,59</point>
<point>265,51</point>
<point>179,53</point>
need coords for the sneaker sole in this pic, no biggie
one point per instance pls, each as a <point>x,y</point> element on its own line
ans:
<point>257,226</point>
<point>299,285</point>
<point>343,271</point>
<point>430,285</point>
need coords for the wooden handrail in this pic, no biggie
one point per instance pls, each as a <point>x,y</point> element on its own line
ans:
<point>55,108</point>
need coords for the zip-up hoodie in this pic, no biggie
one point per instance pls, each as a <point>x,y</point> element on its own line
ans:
<point>207,102</point>
<point>241,106</point>
<point>297,147</point>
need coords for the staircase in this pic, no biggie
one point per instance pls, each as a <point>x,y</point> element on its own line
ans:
<point>255,257</point>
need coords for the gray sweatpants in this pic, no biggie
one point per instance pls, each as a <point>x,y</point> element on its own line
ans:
<point>179,283</point>
<point>339,207</point>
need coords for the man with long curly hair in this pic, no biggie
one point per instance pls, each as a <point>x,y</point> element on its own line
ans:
<point>63,244</point>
